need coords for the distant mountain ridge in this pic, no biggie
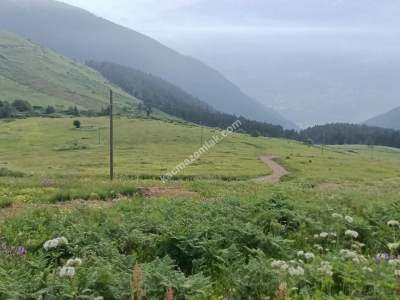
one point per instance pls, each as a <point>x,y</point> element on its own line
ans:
<point>78,34</point>
<point>390,119</point>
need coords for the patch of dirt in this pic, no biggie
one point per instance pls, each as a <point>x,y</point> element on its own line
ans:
<point>328,187</point>
<point>277,171</point>
<point>166,192</point>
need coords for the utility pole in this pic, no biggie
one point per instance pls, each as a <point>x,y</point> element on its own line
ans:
<point>98,134</point>
<point>111,138</point>
<point>202,133</point>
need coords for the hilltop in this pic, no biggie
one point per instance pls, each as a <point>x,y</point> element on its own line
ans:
<point>42,77</point>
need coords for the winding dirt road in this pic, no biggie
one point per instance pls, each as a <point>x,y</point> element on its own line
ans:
<point>277,171</point>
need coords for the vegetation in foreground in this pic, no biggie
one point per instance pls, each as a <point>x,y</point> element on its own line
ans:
<point>328,231</point>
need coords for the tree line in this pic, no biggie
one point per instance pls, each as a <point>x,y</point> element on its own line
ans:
<point>22,108</point>
<point>343,133</point>
<point>158,93</point>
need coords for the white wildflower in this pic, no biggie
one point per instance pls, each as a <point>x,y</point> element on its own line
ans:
<point>326,268</point>
<point>393,246</point>
<point>397,273</point>
<point>55,243</point>
<point>333,234</point>
<point>74,262</point>
<point>51,244</point>
<point>318,247</point>
<point>316,236</point>
<point>296,271</point>
<point>367,269</point>
<point>324,235</point>
<point>349,219</point>
<point>393,223</point>
<point>348,254</point>
<point>394,262</point>
<point>279,264</point>
<point>351,233</point>
<point>300,253</point>
<point>309,256</point>
<point>337,216</point>
<point>67,272</point>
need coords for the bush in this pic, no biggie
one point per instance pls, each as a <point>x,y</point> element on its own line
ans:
<point>5,202</point>
<point>50,110</point>
<point>5,172</point>
<point>22,106</point>
<point>6,110</point>
<point>77,124</point>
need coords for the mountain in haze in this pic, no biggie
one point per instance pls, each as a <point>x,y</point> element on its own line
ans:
<point>83,36</point>
<point>314,61</point>
<point>390,119</point>
<point>306,12</point>
<point>42,77</point>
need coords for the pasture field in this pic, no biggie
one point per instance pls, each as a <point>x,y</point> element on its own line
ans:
<point>328,230</point>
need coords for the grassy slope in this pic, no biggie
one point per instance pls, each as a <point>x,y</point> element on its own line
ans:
<point>43,77</point>
<point>143,147</point>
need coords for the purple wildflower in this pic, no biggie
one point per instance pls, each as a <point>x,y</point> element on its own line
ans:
<point>21,251</point>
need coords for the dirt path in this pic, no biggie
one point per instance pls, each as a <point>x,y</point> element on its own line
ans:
<point>277,171</point>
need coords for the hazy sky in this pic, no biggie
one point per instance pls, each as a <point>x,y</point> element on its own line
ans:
<point>288,54</point>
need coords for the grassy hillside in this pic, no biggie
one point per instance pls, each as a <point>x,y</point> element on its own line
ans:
<point>146,148</point>
<point>205,238</point>
<point>43,77</point>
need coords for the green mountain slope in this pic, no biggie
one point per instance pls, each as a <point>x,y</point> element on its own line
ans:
<point>43,77</point>
<point>390,119</point>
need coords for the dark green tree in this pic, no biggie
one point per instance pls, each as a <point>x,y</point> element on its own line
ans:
<point>21,105</point>
<point>6,110</point>
<point>77,124</point>
<point>50,110</point>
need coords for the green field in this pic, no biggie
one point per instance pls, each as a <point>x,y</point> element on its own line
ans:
<point>212,233</point>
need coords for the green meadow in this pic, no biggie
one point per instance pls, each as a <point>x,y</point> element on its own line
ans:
<point>328,230</point>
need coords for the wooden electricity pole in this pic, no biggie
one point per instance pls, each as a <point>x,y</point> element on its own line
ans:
<point>111,137</point>
<point>202,133</point>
